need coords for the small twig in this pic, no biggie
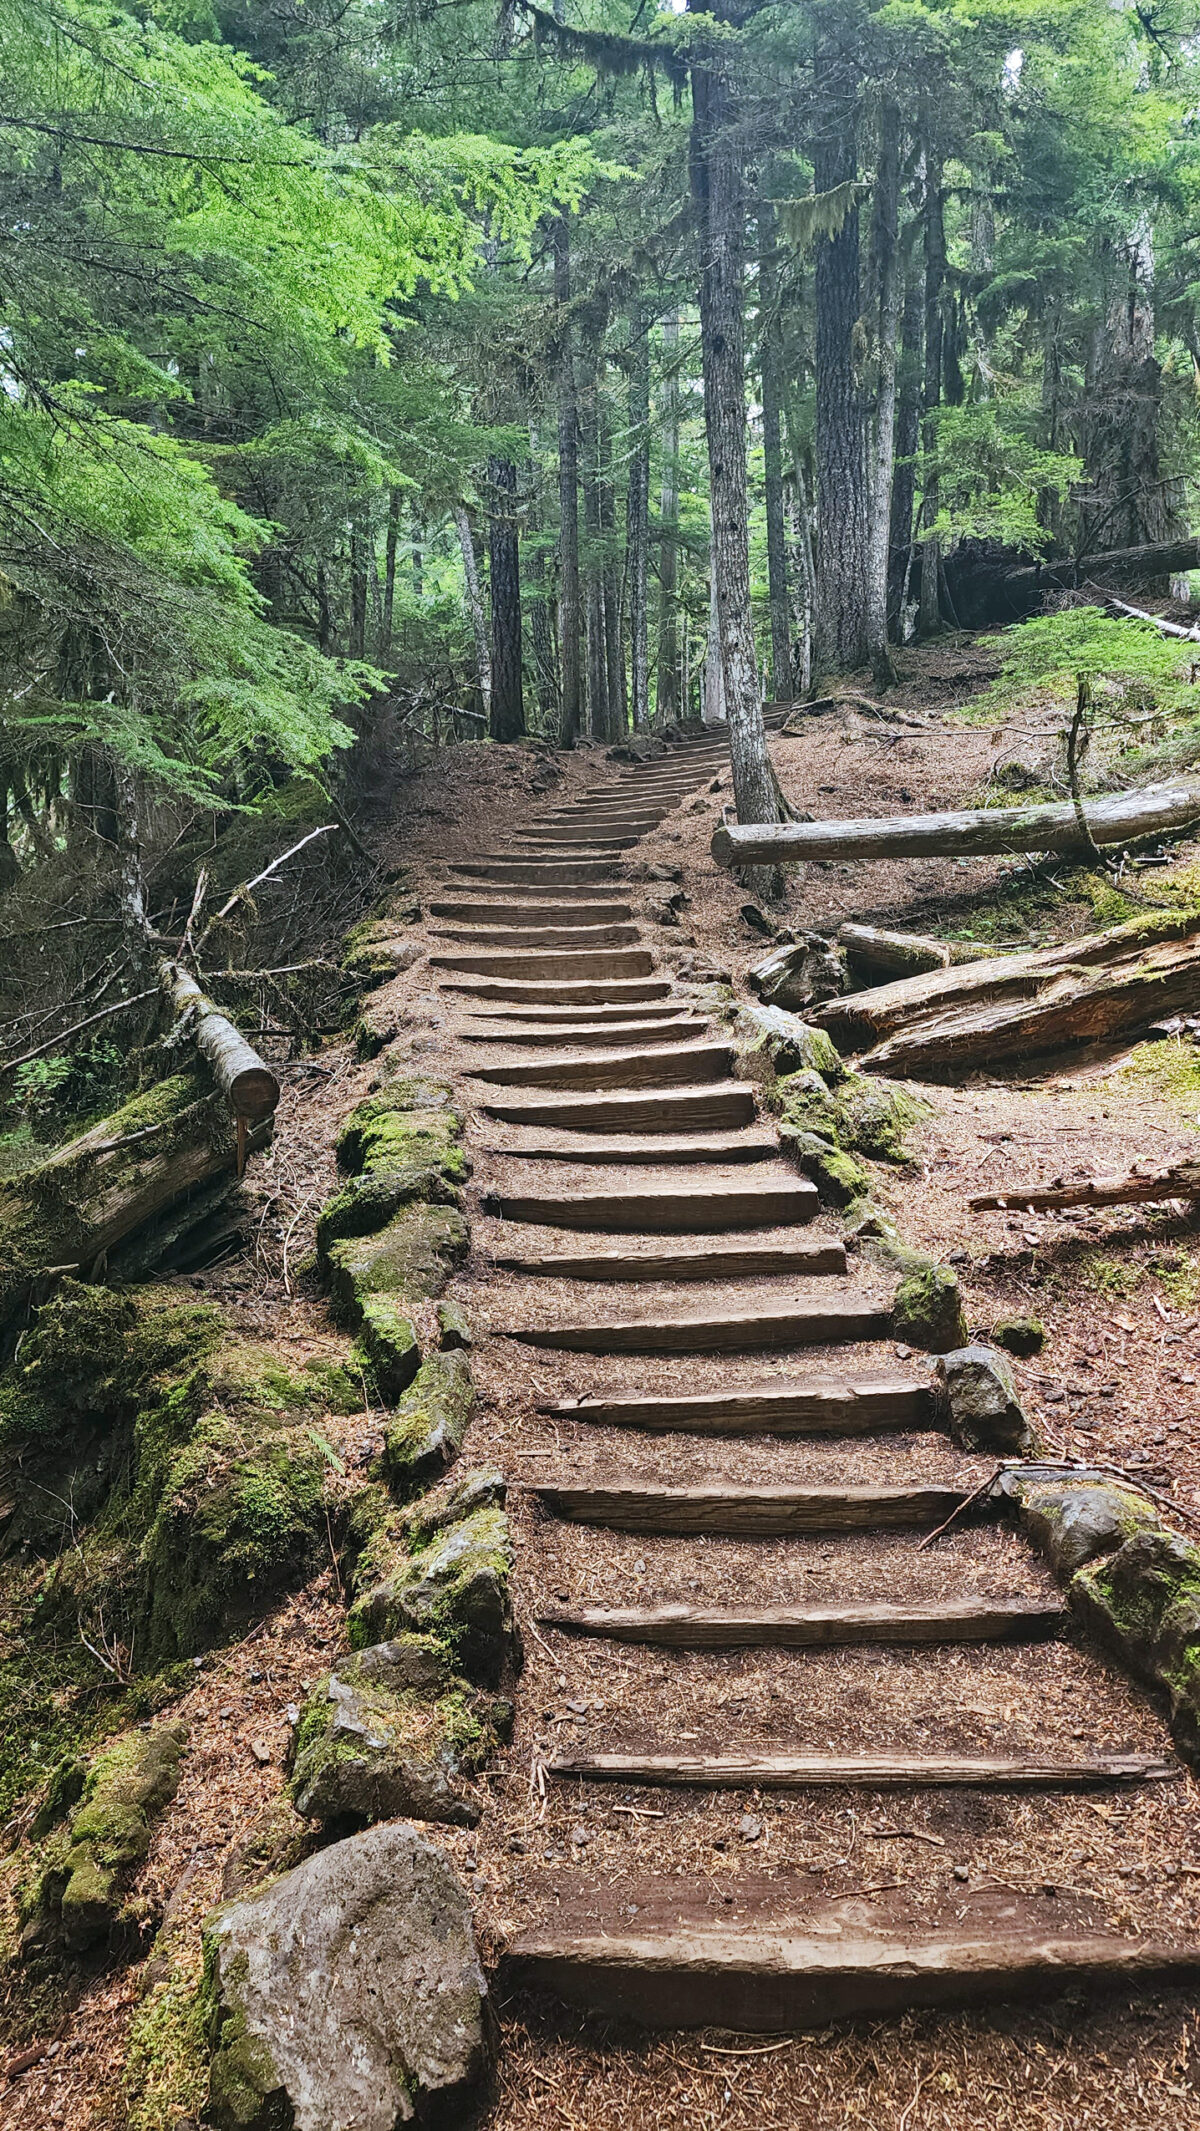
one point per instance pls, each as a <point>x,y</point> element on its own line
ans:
<point>984,1487</point>
<point>64,1035</point>
<point>239,894</point>
<point>185,944</point>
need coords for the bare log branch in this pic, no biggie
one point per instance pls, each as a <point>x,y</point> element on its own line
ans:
<point>247,888</point>
<point>249,1086</point>
<point>1180,1181</point>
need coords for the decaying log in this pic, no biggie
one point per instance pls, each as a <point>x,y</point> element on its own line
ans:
<point>1105,986</point>
<point>1181,1181</point>
<point>69,1212</point>
<point>895,954</point>
<point>249,1086</point>
<point>821,706</point>
<point>1120,818</point>
<point>1156,621</point>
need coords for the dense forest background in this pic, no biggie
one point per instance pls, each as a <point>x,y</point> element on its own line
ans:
<point>377,375</point>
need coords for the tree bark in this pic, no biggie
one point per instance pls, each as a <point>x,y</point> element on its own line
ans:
<point>1127,504</point>
<point>389,570</point>
<point>667,695</point>
<point>772,430</point>
<point>904,461</point>
<point>887,265</point>
<point>718,191</point>
<point>507,706</point>
<point>359,544</point>
<point>1116,820</point>
<point>714,676</point>
<point>541,623</point>
<point>249,1086</point>
<point>637,513</point>
<point>475,608</point>
<point>935,282</point>
<point>570,620</point>
<point>614,650</point>
<point>591,342</point>
<point>839,631</point>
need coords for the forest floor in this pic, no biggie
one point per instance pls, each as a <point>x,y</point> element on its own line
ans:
<point>1119,1294</point>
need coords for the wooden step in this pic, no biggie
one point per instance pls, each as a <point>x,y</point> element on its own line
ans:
<point>635,1110</point>
<point>874,1772</point>
<point>919,1621</point>
<point>689,1970</point>
<point>706,1261</point>
<point>823,1323</point>
<point>587,1033</point>
<point>671,1065</point>
<point>603,1013</point>
<point>537,938</point>
<point>559,874</point>
<point>536,913</point>
<point>600,992</point>
<point>862,1404</point>
<point>576,967</point>
<point>749,1512</point>
<point>682,1211</point>
<point>646,1152</point>
<point>589,841</point>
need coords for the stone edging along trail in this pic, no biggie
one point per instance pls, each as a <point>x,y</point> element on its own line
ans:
<point>707,1390</point>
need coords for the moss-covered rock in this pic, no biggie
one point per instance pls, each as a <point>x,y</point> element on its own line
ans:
<point>170,2039</point>
<point>368,1203</point>
<point>85,1869</point>
<point>425,1434</point>
<point>451,1582</point>
<point>454,1325</point>
<point>380,1129</point>
<point>387,1344</point>
<point>381,1739</point>
<point>374,953</point>
<point>413,1257</point>
<point>839,1179</point>
<point>1074,1520</point>
<point>1144,1600</point>
<point>1022,1336</point>
<point>984,1410</point>
<point>858,1115</point>
<point>774,1043</point>
<point>927,1309</point>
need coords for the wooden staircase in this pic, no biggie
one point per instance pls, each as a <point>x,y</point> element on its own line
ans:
<point>609,1106</point>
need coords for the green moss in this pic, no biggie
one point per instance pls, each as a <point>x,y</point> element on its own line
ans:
<point>927,1310</point>
<point>1020,1335</point>
<point>424,1103</point>
<point>371,1746</point>
<point>454,1586</point>
<point>169,2043</point>
<point>412,1257</point>
<point>858,1116</point>
<point>387,1340</point>
<point>245,2090</point>
<point>1113,1276</point>
<point>426,1432</point>
<point>1170,1069</point>
<point>839,1179</point>
<point>82,1869</point>
<point>367,1203</point>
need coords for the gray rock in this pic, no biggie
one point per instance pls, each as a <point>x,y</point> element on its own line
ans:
<point>350,1994</point>
<point>369,1752</point>
<point>985,1412</point>
<point>1073,1523</point>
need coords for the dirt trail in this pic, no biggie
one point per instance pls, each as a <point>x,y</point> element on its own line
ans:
<point>610,1898</point>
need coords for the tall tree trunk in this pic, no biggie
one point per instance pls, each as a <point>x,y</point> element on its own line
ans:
<point>475,606</point>
<point>907,445</point>
<point>887,275</point>
<point>132,891</point>
<point>772,432</point>
<point>570,619</point>
<point>714,677</point>
<point>508,707</point>
<point>935,283</point>
<point>359,551</point>
<point>591,339</point>
<point>418,561</point>
<point>1128,504</point>
<point>637,513</point>
<point>389,570</point>
<point>719,193</point>
<point>614,650</point>
<point>839,629</point>
<point>667,696</point>
<point>541,627</point>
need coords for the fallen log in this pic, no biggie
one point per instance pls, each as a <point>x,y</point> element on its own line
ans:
<point>1039,1009</point>
<point>1156,621</point>
<point>249,1086</point>
<point>821,706</point>
<point>989,588</point>
<point>69,1212</point>
<point>1122,817</point>
<point>896,954</point>
<point>1180,1181</point>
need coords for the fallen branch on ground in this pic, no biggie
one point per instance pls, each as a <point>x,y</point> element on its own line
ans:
<point>1181,1180</point>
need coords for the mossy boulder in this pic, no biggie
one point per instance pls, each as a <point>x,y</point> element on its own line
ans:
<point>376,1281</point>
<point>774,1043</point>
<point>391,1735</point>
<point>86,1868</point>
<point>450,1581</point>
<point>1073,1521</point>
<point>373,953</point>
<point>857,1115</point>
<point>1023,1336</point>
<point>985,1412</point>
<point>927,1309</point>
<point>368,1203</point>
<point>387,1343</point>
<point>839,1179</point>
<point>1144,1600</point>
<point>379,1130</point>
<point>454,1325</point>
<point>425,1434</point>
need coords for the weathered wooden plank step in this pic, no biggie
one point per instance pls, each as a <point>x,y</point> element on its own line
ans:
<point>605,1013</point>
<point>559,874</point>
<point>820,1323</point>
<point>600,992</point>
<point>589,912</point>
<point>589,841</point>
<point>706,1261</point>
<point>578,966</point>
<point>764,1511</point>
<point>587,1032</point>
<point>537,938</point>
<point>797,1976</point>
<point>712,1148</point>
<point>671,1065</point>
<point>680,1211</point>
<point>634,1110</point>
<point>918,1621</point>
<point>875,1772</point>
<point>862,1404</point>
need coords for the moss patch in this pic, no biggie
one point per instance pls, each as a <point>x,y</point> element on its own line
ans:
<point>384,1122</point>
<point>426,1432</point>
<point>83,1870</point>
<point>927,1310</point>
<point>170,2040</point>
<point>453,1585</point>
<point>370,1746</point>
<point>411,1259</point>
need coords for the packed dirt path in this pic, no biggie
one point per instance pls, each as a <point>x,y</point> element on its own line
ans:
<point>778,1761</point>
